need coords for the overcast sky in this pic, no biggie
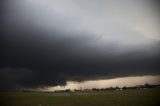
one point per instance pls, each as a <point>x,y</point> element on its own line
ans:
<point>48,42</point>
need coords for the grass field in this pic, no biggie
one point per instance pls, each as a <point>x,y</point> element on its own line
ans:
<point>147,97</point>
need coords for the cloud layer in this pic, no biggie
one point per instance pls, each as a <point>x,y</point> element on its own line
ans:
<point>48,42</point>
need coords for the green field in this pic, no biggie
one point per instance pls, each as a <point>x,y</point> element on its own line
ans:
<point>147,97</point>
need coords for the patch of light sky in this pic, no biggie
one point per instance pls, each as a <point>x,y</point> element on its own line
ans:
<point>120,82</point>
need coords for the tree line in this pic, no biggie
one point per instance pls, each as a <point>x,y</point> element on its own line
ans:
<point>138,87</point>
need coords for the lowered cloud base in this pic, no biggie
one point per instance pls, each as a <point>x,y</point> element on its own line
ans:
<point>49,42</point>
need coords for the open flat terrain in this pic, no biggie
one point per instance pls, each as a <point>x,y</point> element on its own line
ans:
<point>146,97</point>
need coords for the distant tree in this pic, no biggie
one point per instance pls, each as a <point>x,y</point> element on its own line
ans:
<point>117,88</point>
<point>146,85</point>
<point>124,88</point>
<point>95,89</point>
<point>67,90</point>
<point>111,89</point>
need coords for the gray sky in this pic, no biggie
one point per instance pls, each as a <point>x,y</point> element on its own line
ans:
<point>60,40</point>
<point>126,21</point>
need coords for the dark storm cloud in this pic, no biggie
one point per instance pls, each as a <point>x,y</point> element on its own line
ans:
<point>43,55</point>
<point>29,61</point>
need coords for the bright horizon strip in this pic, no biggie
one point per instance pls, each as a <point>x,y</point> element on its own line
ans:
<point>120,82</point>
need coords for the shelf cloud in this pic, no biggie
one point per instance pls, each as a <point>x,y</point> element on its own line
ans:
<point>48,42</point>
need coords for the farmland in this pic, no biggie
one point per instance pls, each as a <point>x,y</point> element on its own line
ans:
<point>145,97</point>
